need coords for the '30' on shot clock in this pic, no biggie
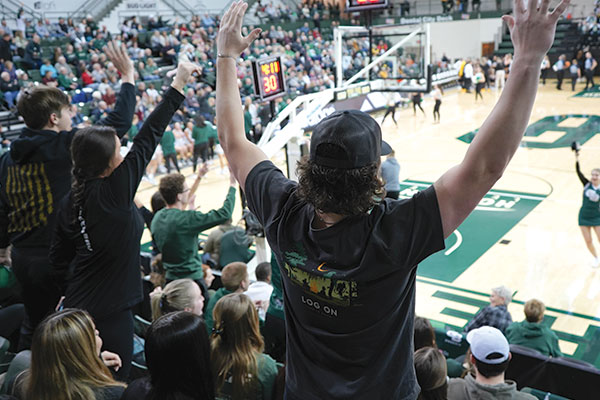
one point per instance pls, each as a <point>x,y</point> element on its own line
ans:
<point>269,82</point>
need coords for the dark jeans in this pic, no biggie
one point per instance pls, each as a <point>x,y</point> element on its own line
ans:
<point>478,88</point>
<point>574,81</point>
<point>200,150</point>
<point>40,294</point>
<point>589,78</point>
<point>468,82</point>
<point>415,105</point>
<point>171,158</point>
<point>116,331</point>
<point>436,109</point>
<point>545,75</point>
<point>560,75</point>
<point>390,110</point>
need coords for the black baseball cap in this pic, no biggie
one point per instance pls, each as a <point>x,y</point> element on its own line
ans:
<point>347,139</point>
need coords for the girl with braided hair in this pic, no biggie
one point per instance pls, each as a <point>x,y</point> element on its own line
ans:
<point>99,228</point>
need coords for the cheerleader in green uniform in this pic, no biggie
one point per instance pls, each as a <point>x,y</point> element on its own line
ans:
<point>589,214</point>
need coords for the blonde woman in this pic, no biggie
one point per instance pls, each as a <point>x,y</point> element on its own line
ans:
<point>66,363</point>
<point>240,369</point>
<point>178,295</point>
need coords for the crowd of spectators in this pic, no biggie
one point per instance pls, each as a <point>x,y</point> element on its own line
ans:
<point>589,27</point>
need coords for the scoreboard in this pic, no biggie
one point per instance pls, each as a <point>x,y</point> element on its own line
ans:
<point>358,5</point>
<point>269,81</point>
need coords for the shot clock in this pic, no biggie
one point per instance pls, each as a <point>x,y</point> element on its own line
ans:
<point>359,5</point>
<point>269,82</point>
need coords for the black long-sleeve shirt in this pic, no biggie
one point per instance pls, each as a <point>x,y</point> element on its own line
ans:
<point>104,247</point>
<point>36,174</point>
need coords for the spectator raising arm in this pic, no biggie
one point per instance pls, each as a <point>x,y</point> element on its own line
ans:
<point>242,154</point>
<point>461,188</point>
<point>120,118</point>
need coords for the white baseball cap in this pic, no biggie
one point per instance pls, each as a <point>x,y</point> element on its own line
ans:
<point>486,341</point>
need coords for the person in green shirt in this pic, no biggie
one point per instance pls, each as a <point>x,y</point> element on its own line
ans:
<point>274,329</point>
<point>213,140</point>
<point>234,247</point>
<point>532,332</point>
<point>167,143</point>
<point>134,129</point>
<point>66,79</point>
<point>175,228</point>
<point>234,278</point>
<point>240,368</point>
<point>201,135</point>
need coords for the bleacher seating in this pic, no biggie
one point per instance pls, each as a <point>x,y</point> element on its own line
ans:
<point>561,376</point>
<point>541,395</point>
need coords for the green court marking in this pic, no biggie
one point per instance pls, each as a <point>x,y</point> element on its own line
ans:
<point>593,93</point>
<point>497,213</point>
<point>563,136</point>
<point>460,299</point>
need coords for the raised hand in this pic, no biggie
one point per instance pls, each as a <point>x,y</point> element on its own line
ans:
<point>532,28</point>
<point>230,42</point>
<point>185,69</point>
<point>119,57</point>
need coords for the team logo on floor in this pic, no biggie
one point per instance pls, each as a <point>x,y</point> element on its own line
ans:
<point>593,93</point>
<point>555,131</point>
<point>498,212</point>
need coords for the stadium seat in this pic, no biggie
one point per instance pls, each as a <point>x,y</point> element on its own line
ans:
<point>35,75</point>
<point>5,356</point>
<point>541,395</point>
<point>561,376</point>
<point>140,326</point>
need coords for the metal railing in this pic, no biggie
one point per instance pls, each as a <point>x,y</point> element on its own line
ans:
<point>92,7</point>
<point>9,9</point>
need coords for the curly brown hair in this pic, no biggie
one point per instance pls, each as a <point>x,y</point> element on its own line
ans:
<point>341,191</point>
<point>170,186</point>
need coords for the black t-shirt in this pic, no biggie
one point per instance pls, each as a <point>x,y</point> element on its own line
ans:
<point>104,245</point>
<point>348,290</point>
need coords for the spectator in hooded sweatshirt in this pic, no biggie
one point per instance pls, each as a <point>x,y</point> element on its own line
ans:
<point>532,332</point>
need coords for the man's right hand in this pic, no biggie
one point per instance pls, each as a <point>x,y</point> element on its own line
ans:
<point>230,42</point>
<point>119,57</point>
<point>532,28</point>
